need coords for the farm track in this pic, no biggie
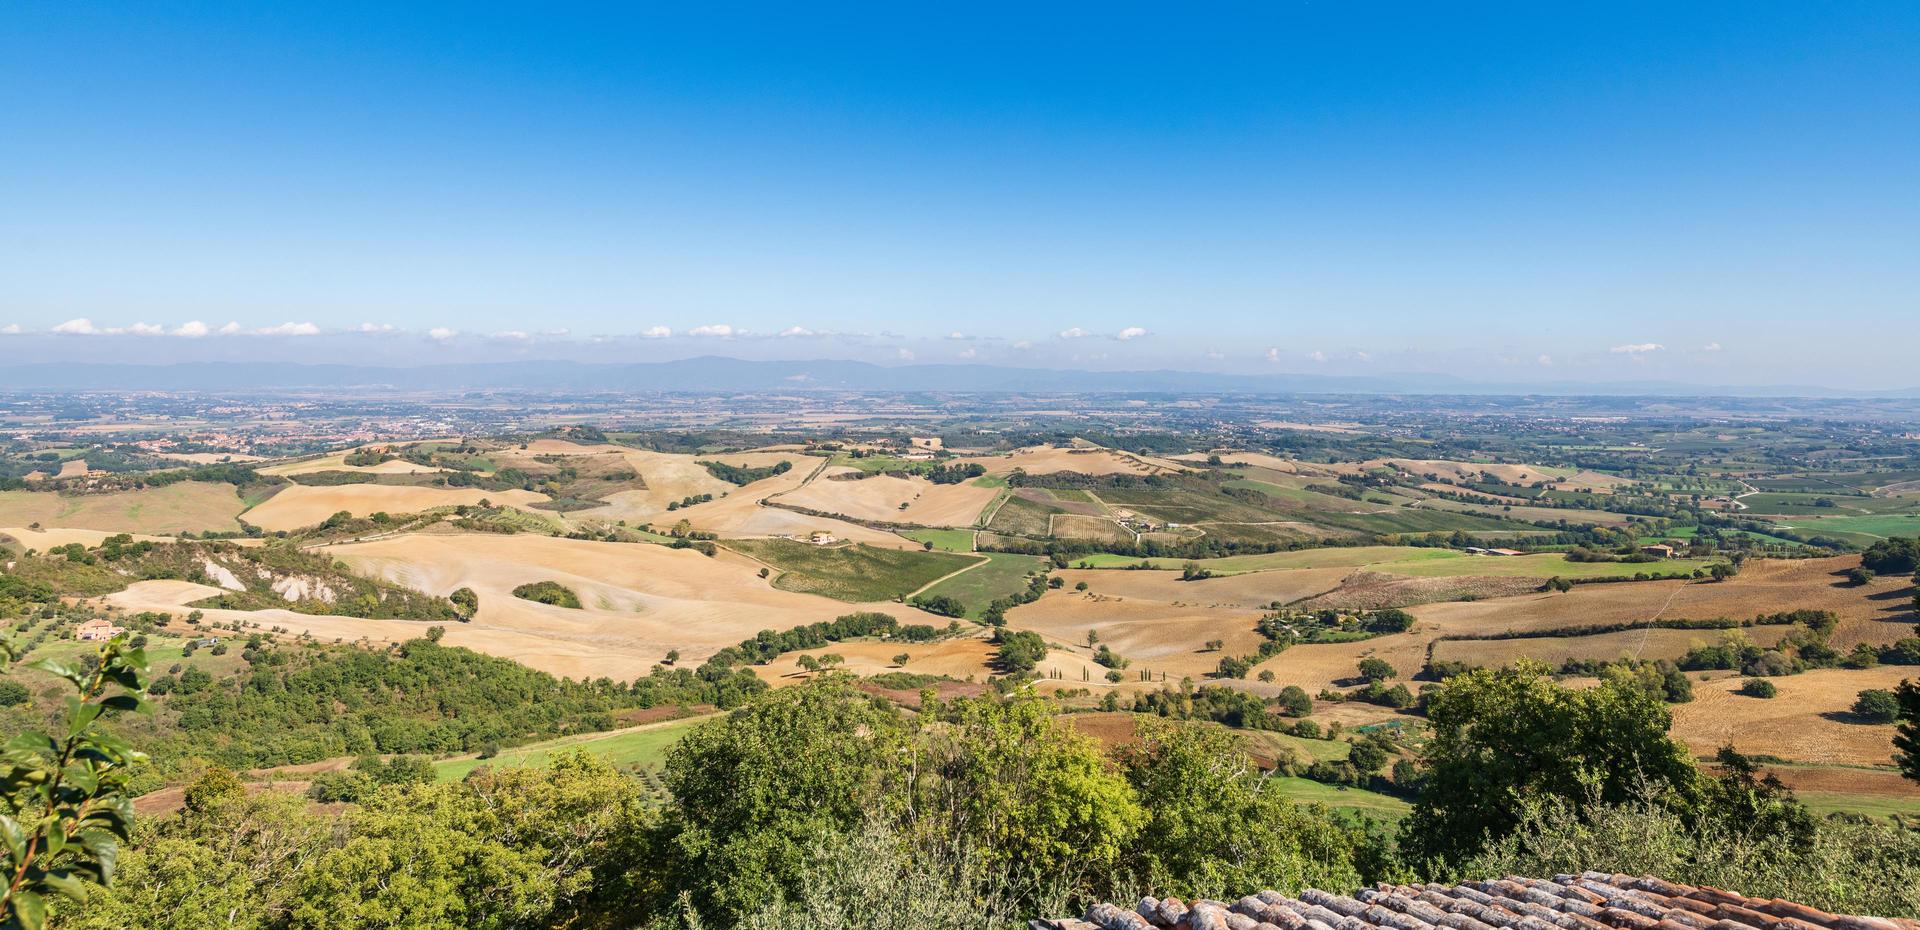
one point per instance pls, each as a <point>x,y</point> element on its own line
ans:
<point>952,574</point>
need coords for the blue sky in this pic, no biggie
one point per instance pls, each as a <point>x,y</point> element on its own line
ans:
<point>1724,193</point>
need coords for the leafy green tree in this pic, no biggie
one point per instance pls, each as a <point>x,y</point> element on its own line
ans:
<point>1504,739</point>
<point>1374,668</point>
<point>754,792</point>
<point>1877,705</point>
<point>513,848</point>
<point>1215,827</point>
<point>67,807</point>
<point>466,602</point>
<point>1020,652</point>
<point>1022,789</point>
<point>1906,737</point>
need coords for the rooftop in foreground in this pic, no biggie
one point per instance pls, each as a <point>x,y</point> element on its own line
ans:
<point>1587,901</point>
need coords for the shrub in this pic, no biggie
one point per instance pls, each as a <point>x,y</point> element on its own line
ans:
<point>1758,687</point>
<point>1877,705</point>
<point>548,592</point>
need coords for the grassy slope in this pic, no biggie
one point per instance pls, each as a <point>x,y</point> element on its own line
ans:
<point>944,540</point>
<point>1003,574</point>
<point>643,745</point>
<point>1358,800</point>
<point>187,505</point>
<point>851,573</point>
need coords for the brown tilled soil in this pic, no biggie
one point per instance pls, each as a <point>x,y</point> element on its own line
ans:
<point>1375,590</point>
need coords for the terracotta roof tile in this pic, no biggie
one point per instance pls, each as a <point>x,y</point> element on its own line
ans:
<point>1587,901</point>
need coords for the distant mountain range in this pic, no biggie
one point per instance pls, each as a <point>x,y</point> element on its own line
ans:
<point>712,373</point>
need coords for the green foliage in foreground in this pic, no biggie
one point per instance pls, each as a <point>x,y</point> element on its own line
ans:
<point>66,804</point>
<point>819,807</point>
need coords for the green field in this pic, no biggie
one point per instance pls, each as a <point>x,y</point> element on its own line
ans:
<point>1843,504</point>
<point>1408,560</point>
<point>1358,800</point>
<point>858,573</point>
<point>943,540</point>
<point>1540,565</point>
<point>1865,529</point>
<point>1339,557</point>
<point>1871,805</point>
<point>1003,574</point>
<point>643,745</point>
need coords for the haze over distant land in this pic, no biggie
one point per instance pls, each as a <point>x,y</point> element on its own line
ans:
<point>1628,192</point>
<point>727,374</point>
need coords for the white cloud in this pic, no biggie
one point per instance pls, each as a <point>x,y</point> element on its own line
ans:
<point>906,355</point>
<point>716,330</point>
<point>1074,333</point>
<point>77,327</point>
<point>192,329</point>
<point>1273,355</point>
<point>146,329</point>
<point>441,334</point>
<point>1544,361</point>
<point>656,332</point>
<point>1023,345</point>
<point>797,332</point>
<point>956,334</point>
<point>1131,332</point>
<point>512,334</point>
<point>969,353</point>
<point>229,329</point>
<point>377,328</point>
<point>1362,357</point>
<point>1215,354</point>
<point>1317,355</point>
<point>1710,347</point>
<point>11,329</point>
<point>1637,348</point>
<point>289,329</point>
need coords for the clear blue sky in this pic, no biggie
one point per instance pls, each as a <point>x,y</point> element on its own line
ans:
<point>1507,191</point>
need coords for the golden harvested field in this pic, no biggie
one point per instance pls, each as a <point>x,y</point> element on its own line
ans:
<point>302,505</point>
<point>640,601</point>
<point>1252,591</point>
<point>1522,474</point>
<point>337,462</point>
<point>1632,644</point>
<point>44,539</point>
<point>210,458</point>
<point>1269,462</point>
<point>1162,633</point>
<point>187,505</point>
<point>1874,613</point>
<point>1806,721</point>
<point>879,498</point>
<point>956,658</point>
<point>1598,482</point>
<point>1045,460</point>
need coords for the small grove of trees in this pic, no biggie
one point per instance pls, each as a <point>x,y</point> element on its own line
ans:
<point>1897,556</point>
<point>548,592</point>
<point>1020,652</point>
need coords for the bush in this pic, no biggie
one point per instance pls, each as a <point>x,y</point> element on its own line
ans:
<point>548,592</point>
<point>1877,705</point>
<point>1758,687</point>
<point>13,693</point>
